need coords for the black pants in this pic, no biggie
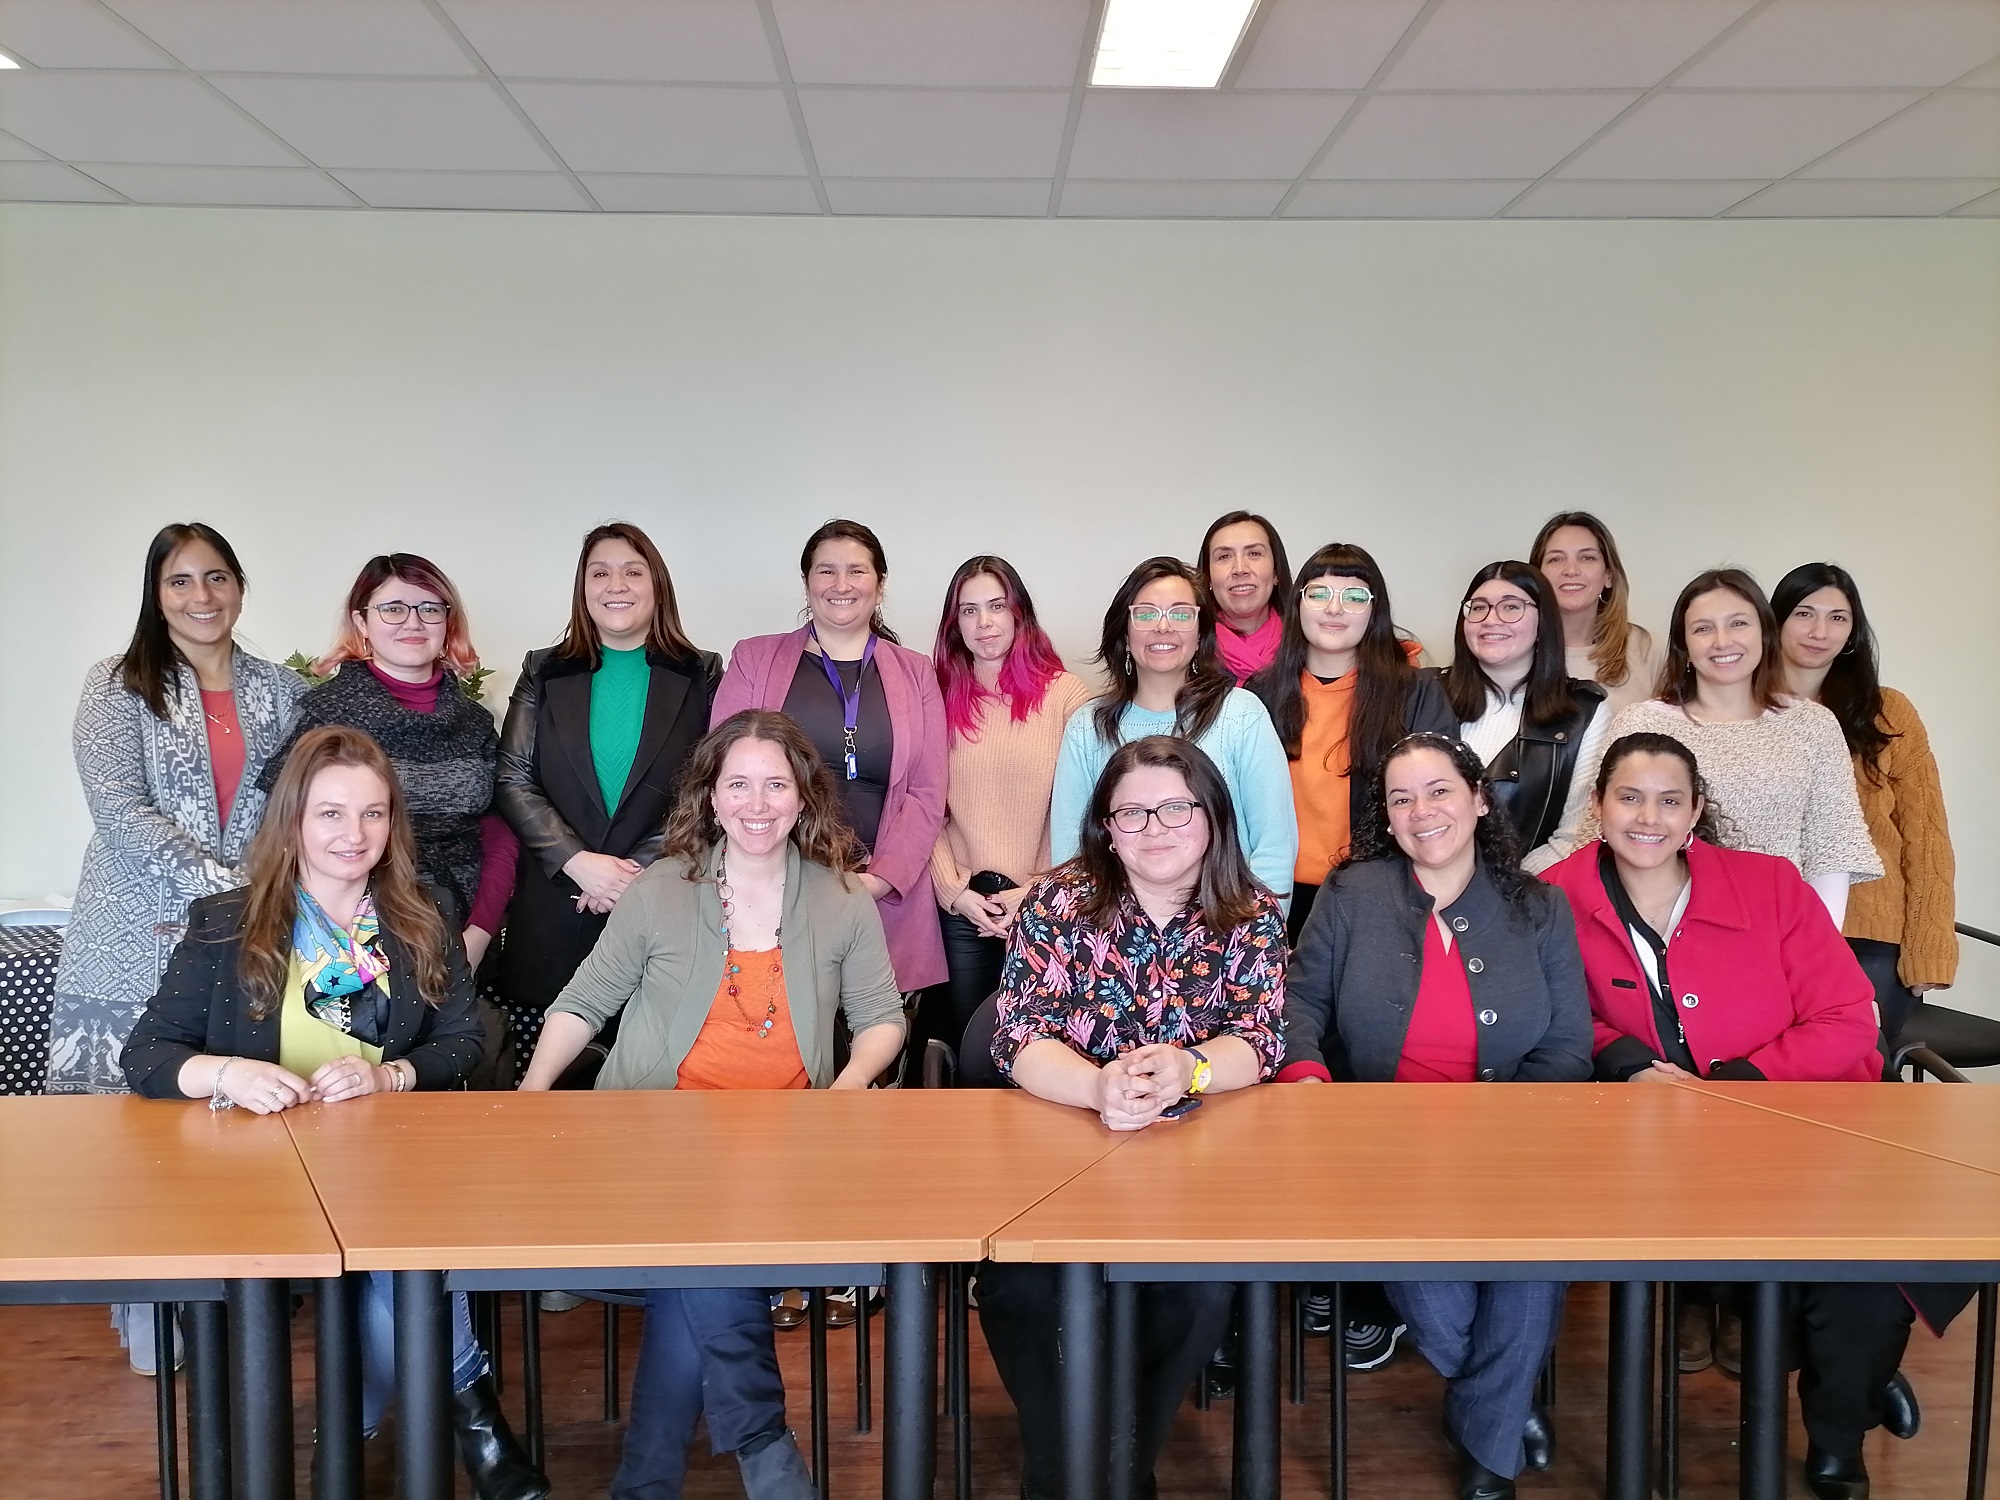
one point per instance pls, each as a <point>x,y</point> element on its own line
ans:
<point>1180,1324</point>
<point>1303,896</point>
<point>1892,996</point>
<point>973,961</point>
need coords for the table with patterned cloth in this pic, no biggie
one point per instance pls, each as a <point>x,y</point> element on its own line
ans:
<point>28,958</point>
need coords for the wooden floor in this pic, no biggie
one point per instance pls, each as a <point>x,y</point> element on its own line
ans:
<point>75,1422</point>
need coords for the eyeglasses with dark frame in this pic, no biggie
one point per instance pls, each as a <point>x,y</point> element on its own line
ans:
<point>1177,813</point>
<point>1509,609</point>
<point>395,611</point>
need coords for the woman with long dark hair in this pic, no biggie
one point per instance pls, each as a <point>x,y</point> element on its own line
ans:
<point>1145,973</point>
<point>334,975</point>
<point>1578,556</point>
<point>1777,765</point>
<point>872,706</point>
<point>596,733</point>
<point>1157,648</point>
<point>170,736</point>
<point>1537,730</point>
<point>1496,996</point>
<point>1242,562</point>
<point>1901,926</point>
<point>1342,689</point>
<point>1006,700</point>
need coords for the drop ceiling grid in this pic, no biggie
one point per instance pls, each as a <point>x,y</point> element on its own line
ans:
<point>1332,108</point>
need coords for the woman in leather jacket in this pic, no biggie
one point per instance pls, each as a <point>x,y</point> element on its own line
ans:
<point>596,733</point>
<point>1537,730</point>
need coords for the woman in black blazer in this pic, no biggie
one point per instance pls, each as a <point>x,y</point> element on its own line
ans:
<point>1431,958</point>
<point>334,974</point>
<point>598,729</point>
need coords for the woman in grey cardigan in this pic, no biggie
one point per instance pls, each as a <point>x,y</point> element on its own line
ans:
<point>1431,958</point>
<point>170,737</point>
<point>731,959</point>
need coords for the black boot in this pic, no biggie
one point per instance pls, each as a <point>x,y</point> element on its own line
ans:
<point>1901,1415</point>
<point>1477,1482</point>
<point>499,1470</point>
<point>1538,1439</point>
<point>1831,1478</point>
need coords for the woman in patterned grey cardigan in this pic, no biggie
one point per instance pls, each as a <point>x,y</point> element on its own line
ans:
<point>170,737</point>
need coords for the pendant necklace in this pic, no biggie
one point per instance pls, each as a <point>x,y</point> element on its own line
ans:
<point>728,897</point>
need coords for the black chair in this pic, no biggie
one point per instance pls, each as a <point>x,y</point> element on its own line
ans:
<point>1961,1038</point>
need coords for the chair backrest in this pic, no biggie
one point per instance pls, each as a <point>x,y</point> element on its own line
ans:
<point>976,1069</point>
<point>35,916</point>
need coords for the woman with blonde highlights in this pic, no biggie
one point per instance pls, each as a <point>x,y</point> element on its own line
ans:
<point>1575,552</point>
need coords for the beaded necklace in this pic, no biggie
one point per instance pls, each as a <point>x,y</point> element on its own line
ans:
<point>728,897</point>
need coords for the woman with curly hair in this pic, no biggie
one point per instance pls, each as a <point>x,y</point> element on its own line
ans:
<point>1497,996</point>
<point>731,959</point>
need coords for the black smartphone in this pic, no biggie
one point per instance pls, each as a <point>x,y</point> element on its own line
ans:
<point>1186,1105</point>
<point>989,883</point>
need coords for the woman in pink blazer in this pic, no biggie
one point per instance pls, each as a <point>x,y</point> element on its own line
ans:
<point>873,709</point>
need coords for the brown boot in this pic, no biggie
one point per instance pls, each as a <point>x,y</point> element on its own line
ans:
<point>1729,1342</point>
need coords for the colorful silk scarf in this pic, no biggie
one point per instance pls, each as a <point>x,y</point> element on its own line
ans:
<point>346,974</point>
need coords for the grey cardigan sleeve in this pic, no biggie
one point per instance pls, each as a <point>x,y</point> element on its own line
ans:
<point>1563,1054</point>
<point>1310,983</point>
<point>612,973</point>
<point>868,993</point>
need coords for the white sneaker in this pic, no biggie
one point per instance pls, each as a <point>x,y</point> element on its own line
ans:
<point>134,1322</point>
<point>560,1301</point>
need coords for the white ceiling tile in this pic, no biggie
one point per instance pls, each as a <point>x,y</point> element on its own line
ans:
<point>73,34</point>
<point>158,117</point>
<point>938,42</point>
<point>1558,44</point>
<point>1467,135</point>
<point>499,190</point>
<point>276,187</point>
<point>646,193</point>
<point>1804,199</point>
<point>1691,135</point>
<point>1564,199</point>
<point>381,122</point>
<point>1948,135</point>
<point>1985,78</point>
<point>689,41</point>
<point>1829,43</point>
<point>1184,133</point>
<point>1980,208</point>
<point>607,127</point>
<point>18,150</point>
<point>299,36</point>
<point>1315,44</point>
<point>934,133</point>
<point>908,198</point>
<point>49,182</point>
<point>1170,200</point>
<point>1402,200</point>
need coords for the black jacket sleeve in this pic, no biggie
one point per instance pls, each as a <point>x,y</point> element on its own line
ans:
<point>450,1041</point>
<point>1310,983</point>
<point>178,1019</point>
<point>517,795</point>
<point>1563,1054</point>
<point>1426,709</point>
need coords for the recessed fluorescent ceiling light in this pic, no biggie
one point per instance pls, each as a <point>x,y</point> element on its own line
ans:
<point>1168,44</point>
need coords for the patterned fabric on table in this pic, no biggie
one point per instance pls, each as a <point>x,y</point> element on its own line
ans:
<point>1105,991</point>
<point>28,959</point>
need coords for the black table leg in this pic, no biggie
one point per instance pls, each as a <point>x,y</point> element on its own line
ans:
<point>1080,1360</point>
<point>423,1387</point>
<point>166,1420</point>
<point>1670,1390</point>
<point>864,1364</point>
<point>260,1388</point>
<point>1628,1456</point>
<point>206,1329</point>
<point>1337,1391</point>
<point>1255,1471</point>
<point>1982,1393</point>
<point>816,1339</point>
<point>1764,1405</point>
<point>909,1400</point>
<point>1122,1385</point>
<point>531,1373</point>
<point>337,1391</point>
<point>958,1354</point>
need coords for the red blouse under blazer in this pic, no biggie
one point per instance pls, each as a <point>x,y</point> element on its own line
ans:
<point>1758,968</point>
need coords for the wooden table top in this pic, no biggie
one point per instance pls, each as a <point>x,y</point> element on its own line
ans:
<point>109,1189</point>
<point>1578,1172</point>
<point>498,1181</point>
<point>1957,1122</point>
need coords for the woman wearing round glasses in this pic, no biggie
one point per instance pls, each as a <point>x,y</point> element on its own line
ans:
<point>400,665</point>
<point>1537,730</point>
<point>1343,688</point>
<point>1142,975</point>
<point>1158,649</point>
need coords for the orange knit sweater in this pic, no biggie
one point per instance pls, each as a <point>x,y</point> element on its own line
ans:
<point>1912,903</point>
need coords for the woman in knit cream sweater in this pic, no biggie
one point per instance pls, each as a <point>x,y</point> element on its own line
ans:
<point>1006,699</point>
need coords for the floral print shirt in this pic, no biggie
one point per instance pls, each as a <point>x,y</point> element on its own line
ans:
<point>1104,991</point>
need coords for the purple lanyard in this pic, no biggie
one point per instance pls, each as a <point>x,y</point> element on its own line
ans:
<point>850,703</point>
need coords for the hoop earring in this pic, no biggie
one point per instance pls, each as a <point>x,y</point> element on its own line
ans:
<point>1848,649</point>
<point>1604,595</point>
<point>1688,842</point>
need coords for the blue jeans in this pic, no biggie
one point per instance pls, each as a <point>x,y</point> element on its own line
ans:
<point>705,1351</point>
<point>378,1347</point>
<point>1489,1340</point>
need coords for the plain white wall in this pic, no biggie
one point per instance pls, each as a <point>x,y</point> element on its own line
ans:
<point>1074,395</point>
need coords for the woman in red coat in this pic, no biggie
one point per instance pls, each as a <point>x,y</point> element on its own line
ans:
<point>1705,962</point>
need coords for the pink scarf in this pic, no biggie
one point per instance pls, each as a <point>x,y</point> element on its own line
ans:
<point>1247,655</point>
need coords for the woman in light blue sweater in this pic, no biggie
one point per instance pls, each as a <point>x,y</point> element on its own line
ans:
<point>1158,648</point>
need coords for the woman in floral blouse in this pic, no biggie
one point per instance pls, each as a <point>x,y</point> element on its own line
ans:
<point>1143,974</point>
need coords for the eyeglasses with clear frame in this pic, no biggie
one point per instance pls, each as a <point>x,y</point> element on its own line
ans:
<point>1508,609</point>
<point>395,611</point>
<point>1347,600</point>
<point>1133,819</point>
<point>1177,616</point>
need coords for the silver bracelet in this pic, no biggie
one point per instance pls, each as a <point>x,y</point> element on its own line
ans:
<point>218,1099</point>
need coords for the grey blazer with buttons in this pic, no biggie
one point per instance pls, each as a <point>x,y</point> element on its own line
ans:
<point>1353,978</point>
